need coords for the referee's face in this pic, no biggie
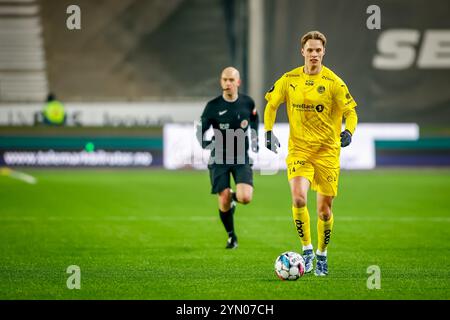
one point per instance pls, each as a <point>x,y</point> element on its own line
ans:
<point>313,51</point>
<point>230,81</point>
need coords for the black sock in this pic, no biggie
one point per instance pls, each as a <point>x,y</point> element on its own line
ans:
<point>228,221</point>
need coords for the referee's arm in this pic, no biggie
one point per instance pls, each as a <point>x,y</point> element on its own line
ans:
<point>202,127</point>
<point>254,121</point>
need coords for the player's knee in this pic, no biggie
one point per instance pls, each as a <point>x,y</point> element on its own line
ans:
<point>324,216</point>
<point>299,201</point>
<point>324,212</point>
<point>225,198</point>
<point>244,199</point>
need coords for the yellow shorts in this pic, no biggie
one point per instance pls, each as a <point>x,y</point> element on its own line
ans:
<point>322,170</point>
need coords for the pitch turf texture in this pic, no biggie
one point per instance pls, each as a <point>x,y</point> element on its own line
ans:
<point>146,234</point>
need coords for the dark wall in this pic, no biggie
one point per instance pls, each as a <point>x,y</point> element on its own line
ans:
<point>136,49</point>
<point>413,93</point>
<point>161,49</point>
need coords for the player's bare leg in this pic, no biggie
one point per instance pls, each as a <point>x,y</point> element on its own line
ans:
<point>244,193</point>
<point>324,229</point>
<point>226,210</point>
<point>224,198</point>
<point>299,193</point>
<point>324,204</point>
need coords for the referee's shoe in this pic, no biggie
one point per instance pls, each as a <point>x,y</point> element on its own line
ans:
<point>232,242</point>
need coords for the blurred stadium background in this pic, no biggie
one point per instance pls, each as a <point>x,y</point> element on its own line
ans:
<point>137,65</point>
<point>137,75</point>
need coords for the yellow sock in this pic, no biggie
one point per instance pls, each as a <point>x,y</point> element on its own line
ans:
<point>301,222</point>
<point>324,229</point>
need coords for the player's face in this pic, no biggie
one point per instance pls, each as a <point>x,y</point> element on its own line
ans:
<point>230,82</point>
<point>313,51</point>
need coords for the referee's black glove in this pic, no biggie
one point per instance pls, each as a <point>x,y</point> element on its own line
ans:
<point>208,144</point>
<point>346,138</point>
<point>272,142</point>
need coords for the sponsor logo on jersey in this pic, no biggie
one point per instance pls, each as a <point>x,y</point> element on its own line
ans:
<point>309,82</point>
<point>293,86</point>
<point>299,162</point>
<point>224,126</point>
<point>303,107</point>
<point>308,107</point>
<point>326,78</point>
<point>320,89</point>
<point>221,113</point>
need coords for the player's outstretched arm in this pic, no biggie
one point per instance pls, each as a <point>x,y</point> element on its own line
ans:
<point>271,141</point>
<point>274,97</point>
<point>351,120</point>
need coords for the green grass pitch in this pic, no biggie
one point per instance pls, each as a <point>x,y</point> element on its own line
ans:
<point>153,234</point>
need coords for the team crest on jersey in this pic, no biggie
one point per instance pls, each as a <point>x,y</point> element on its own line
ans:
<point>244,124</point>
<point>320,89</point>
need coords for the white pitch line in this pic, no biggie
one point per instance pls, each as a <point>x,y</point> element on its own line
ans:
<point>8,172</point>
<point>395,219</point>
<point>211,218</point>
<point>22,176</point>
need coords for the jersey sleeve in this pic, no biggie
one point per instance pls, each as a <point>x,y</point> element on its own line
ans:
<point>203,126</point>
<point>254,117</point>
<point>342,97</point>
<point>351,120</point>
<point>274,97</point>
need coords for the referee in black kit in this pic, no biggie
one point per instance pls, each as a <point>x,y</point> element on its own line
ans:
<point>230,114</point>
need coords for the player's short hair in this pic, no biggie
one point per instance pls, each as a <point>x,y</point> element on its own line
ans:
<point>315,35</point>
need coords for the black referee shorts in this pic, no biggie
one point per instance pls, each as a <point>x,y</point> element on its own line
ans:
<point>219,175</point>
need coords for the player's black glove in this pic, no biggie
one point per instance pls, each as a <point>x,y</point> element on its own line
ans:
<point>272,142</point>
<point>346,138</point>
<point>254,142</point>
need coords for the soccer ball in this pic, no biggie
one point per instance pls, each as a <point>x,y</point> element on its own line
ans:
<point>289,266</point>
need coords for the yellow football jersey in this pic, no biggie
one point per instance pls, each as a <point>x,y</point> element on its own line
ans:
<point>315,107</point>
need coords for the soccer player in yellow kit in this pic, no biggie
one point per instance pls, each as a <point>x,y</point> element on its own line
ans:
<point>317,101</point>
